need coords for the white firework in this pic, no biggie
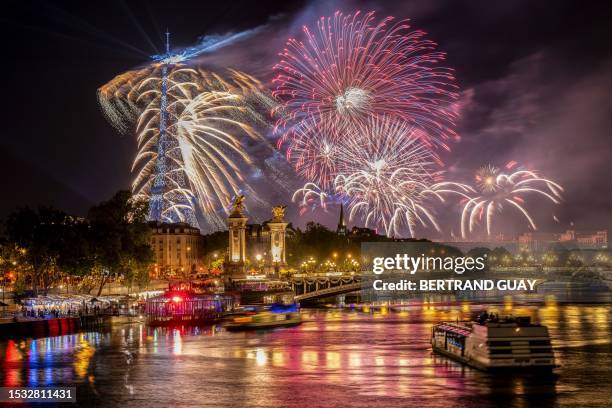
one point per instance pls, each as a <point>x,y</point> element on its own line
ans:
<point>387,173</point>
<point>209,121</point>
<point>497,191</point>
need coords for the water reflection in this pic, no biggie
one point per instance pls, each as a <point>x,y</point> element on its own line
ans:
<point>371,355</point>
<point>48,361</point>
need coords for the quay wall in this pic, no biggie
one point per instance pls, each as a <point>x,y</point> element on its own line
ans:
<point>51,327</point>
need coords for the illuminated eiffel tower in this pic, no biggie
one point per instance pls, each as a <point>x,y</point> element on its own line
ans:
<point>171,198</point>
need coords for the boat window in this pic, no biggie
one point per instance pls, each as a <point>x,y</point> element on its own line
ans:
<point>539,342</point>
<point>499,343</point>
<point>543,361</point>
<point>541,350</point>
<point>500,351</point>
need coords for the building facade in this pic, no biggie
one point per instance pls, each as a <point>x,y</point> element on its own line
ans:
<point>541,241</point>
<point>178,250</point>
<point>595,239</point>
<point>536,241</point>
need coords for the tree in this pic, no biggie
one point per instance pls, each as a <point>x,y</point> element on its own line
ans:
<point>500,256</point>
<point>478,252</point>
<point>120,237</point>
<point>215,242</point>
<point>41,234</point>
<point>77,255</point>
<point>12,261</point>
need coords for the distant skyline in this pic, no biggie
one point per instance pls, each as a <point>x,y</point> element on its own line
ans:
<point>534,82</point>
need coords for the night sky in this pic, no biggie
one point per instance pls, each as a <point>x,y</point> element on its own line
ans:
<point>535,80</point>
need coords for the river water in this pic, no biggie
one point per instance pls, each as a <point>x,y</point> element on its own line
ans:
<point>357,358</point>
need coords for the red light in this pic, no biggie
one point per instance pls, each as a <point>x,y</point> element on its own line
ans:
<point>177,299</point>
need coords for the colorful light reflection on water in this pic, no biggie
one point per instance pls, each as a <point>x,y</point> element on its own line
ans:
<point>48,361</point>
<point>367,357</point>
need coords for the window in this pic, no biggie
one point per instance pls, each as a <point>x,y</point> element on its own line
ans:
<point>541,350</point>
<point>500,351</point>
<point>539,342</point>
<point>499,343</point>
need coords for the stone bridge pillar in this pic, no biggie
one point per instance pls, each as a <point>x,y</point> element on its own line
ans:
<point>276,254</point>
<point>235,267</point>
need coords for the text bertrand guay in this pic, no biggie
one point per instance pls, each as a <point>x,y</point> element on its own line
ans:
<point>456,284</point>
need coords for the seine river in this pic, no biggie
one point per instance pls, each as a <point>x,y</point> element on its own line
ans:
<point>358,358</point>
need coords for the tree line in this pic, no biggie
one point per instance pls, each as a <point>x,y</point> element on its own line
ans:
<point>45,246</point>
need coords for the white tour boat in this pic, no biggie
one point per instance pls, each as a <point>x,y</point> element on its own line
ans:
<point>491,343</point>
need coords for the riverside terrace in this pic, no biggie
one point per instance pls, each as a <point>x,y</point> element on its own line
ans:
<point>62,314</point>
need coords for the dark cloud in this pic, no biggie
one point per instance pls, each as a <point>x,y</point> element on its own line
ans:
<point>549,118</point>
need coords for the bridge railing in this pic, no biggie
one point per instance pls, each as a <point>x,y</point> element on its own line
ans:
<point>323,285</point>
<point>335,290</point>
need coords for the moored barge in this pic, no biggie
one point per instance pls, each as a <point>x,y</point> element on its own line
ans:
<point>183,304</point>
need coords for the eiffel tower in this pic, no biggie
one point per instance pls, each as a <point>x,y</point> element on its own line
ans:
<point>171,198</point>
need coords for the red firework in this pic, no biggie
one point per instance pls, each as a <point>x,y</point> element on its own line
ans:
<point>351,67</point>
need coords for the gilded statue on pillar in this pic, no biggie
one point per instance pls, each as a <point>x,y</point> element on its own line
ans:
<point>238,206</point>
<point>278,213</point>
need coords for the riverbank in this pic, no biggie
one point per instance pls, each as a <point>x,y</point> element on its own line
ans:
<point>40,327</point>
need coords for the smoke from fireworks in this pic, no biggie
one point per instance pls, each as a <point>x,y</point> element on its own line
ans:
<point>497,191</point>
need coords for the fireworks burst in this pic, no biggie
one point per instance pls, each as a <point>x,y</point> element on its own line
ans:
<point>388,173</point>
<point>486,178</point>
<point>309,195</point>
<point>364,103</point>
<point>118,97</point>
<point>315,151</point>
<point>352,67</point>
<point>496,191</point>
<point>210,118</point>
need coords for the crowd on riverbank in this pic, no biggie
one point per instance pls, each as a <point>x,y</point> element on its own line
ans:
<point>54,312</point>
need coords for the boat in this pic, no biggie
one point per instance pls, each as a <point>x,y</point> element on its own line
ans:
<point>185,304</point>
<point>267,318</point>
<point>495,344</point>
